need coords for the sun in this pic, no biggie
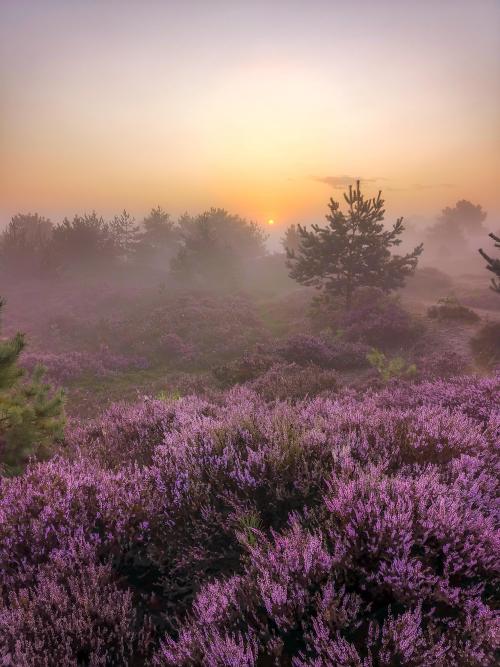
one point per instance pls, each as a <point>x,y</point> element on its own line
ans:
<point>270,222</point>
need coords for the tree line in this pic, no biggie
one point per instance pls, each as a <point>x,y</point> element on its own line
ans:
<point>192,247</point>
<point>354,248</point>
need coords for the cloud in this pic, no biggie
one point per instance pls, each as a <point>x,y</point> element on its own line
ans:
<point>431,186</point>
<point>342,182</point>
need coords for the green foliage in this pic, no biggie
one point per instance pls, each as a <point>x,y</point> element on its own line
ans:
<point>389,369</point>
<point>168,396</point>
<point>352,251</point>
<point>250,524</point>
<point>31,414</point>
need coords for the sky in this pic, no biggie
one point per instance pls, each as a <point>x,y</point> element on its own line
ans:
<point>266,109</point>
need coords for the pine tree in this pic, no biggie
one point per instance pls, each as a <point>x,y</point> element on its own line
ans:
<point>291,239</point>
<point>125,234</point>
<point>158,239</point>
<point>31,413</point>
<point>352,251</point>
<point>25,242</point>
<point>493,265</point>
<point>204,259</point>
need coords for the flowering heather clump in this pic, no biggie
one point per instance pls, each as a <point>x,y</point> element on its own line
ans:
<point>378,320</point>
<point>246,368</point>
<point>305,349</point>
<point>441,365</point>
<point>341,530</point>
<point>291,381</point>
<point>72,615</point>
<point>67,366</point>
<point>450,309</point>
<point>346,355</point>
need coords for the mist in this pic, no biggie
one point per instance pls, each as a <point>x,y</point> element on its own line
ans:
<point>249,333</point>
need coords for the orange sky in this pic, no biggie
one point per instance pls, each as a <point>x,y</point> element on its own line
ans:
<point>261,108</point>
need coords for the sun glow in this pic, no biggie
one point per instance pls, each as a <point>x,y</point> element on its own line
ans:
<point>270,222</point>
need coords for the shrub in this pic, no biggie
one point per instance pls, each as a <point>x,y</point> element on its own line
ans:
<point>347,355</point>
<point>291,381</point>
<point>31,412</point>
<point>450,309</point>
<point>389,369</point>
<point>72,615</point>
<point>305,349</point>
<point>378,320</point>
<point>486,345</point>
<point>241,370</point>
<point>441,364</point>
<point>334,353</point>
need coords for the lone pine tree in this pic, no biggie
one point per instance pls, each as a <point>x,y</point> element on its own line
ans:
<point>493,265</point>
<point>353,250</point>
<point>31,414</point>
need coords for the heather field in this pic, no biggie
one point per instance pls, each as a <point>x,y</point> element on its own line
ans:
<point>249,333</point>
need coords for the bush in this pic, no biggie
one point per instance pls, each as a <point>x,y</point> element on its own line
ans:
<point>378,320</point>
<point>389,369</point>
<point>486,345</point>
<point>75,615</point>
<point>31,412</point>
<point>241,370</point>
<point>441,364</point>
<point>304,349</point>
<point>450,309</point>
<point>291,381</point>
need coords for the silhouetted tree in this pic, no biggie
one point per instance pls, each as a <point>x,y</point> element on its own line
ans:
<point>247,239</point>
<point>493,264</point>
<point>31,414</point>
<point>159,239</point>
<point>465,216</point>
<point>215,248</point>
<point>291,240</point>
<point>24,244</point>
<point>353,250</point>
<point>85,240</point>
<point>448,236</point>
<point>125,234</point>
<point>204,259</point>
